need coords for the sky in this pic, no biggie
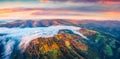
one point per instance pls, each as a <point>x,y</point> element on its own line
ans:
<point>60,9</point>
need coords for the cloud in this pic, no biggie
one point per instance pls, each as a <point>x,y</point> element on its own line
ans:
<point>59,11</point>
<point>37,13</point>
<point>87,0</point>
<point>17,0</point>
<point>87,7</point>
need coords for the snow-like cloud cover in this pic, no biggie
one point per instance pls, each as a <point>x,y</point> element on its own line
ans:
<point>23,36</point>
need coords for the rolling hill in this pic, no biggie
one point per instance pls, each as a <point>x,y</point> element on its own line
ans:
<point>102,43</point>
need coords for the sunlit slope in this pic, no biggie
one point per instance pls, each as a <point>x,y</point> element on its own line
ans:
<point>102,39</point>
<point>67,45</point>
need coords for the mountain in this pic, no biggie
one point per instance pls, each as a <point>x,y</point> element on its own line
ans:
<point>107,27</point>
<point>68,45</point>
<point>97,39</point>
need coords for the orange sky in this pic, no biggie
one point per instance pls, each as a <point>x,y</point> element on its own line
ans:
<point>56,14</point>
<point>49,9</point>
<point>44,0</point>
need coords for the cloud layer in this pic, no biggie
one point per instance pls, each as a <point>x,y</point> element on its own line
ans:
<point>52,9</point>
<point>37,13</point>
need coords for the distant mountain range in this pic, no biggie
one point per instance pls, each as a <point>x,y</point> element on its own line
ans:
<point>108,26</point>
<point>103,43</point>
